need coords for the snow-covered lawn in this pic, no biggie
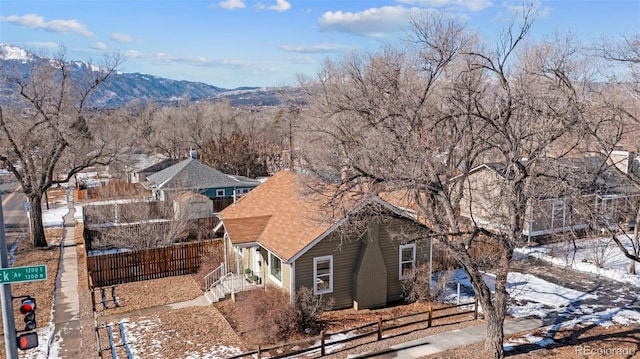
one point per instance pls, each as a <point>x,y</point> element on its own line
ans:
<point>533,296</point>
<point>599,256</point>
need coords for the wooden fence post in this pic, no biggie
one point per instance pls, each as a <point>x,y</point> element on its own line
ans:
<point>93,294</point>
<point>322,352</point>
<point>430,316</point>
<point>475,312</point>
<point>379,328</point>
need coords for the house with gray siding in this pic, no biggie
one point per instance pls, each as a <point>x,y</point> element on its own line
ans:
<point>278,231</point>
<point>191,175</point>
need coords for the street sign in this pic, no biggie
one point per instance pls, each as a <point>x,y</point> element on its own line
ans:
<point>23,274</point>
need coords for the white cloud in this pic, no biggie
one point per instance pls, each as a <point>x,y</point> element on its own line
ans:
<point>162,58</point>
<point>281,5</point>
<point>374,22</point>
<point>301,60</point>
<point>232,4</point>
<point>472,5</point>
<point>34,21</point>
<point>314,49</point>
<point>99,46</point>
<point>513,11</point>
<point>133,54</point>
<point>120,37</point>
<point>44,46</point>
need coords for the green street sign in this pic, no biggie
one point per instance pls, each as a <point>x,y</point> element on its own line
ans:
<point>23,274</point>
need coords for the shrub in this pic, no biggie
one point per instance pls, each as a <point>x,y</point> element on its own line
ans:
<point>419,287</point>
<point>309,309</point>
<point>269,317</point>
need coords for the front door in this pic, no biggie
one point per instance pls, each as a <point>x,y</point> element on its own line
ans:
<point>257,269</point>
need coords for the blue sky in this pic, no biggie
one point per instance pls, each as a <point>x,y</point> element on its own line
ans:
<point>234,43</point>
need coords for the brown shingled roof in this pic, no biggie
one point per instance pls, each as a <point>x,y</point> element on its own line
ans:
<point>277,215</point>
<point>246,230</point>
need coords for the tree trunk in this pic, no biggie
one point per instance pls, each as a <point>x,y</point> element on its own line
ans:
<point>493,344</point>
<point>37,228</point>
<point>635,243</point>
<point>632,264</point>
<point>495,309</point>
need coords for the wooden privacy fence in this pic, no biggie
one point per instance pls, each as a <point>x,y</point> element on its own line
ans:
<point>416,321</point>
<point>179,259</point>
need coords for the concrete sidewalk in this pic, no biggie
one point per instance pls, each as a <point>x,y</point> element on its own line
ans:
<point>66,340</point>
<point>449,340</point>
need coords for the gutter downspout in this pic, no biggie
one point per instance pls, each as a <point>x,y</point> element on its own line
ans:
<point>226,260</point>
<point>292,290</point>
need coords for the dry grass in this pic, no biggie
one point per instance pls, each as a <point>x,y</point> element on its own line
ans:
<point>347,319</point>
<point>148,294</point>
<point>181,333</point>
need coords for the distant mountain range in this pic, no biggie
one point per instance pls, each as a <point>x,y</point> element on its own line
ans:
<point>122,88</point>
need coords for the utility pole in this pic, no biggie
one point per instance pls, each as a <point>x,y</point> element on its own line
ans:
<point>8,322</point>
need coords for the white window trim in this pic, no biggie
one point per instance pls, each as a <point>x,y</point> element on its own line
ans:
<point>271,276</point>
<point>413,259</point>
<point>218,193</point>
<point>558,207</point>
<point>315,275</point>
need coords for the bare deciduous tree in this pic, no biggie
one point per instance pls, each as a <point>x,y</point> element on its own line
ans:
<point>51,132</point>
<point>619,102</point>
<point>418,121</point>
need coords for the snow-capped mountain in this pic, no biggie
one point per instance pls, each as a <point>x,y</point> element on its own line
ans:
<point>9,52</point>
<point>122,88</point>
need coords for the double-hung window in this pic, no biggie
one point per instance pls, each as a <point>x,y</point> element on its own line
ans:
<point>407,260</point>
<point>323,275</point>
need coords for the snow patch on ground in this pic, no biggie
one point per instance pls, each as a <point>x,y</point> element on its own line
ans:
<point>40,352</point>
<point>78,214</point>
<point>598,256</point>
<point>151,327</point>
<point>54,217</point>
<point>528,339</point>
<point>537,296</point>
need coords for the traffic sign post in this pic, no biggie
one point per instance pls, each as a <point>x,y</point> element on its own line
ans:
<point>23,274</point>
<point>6,299</point>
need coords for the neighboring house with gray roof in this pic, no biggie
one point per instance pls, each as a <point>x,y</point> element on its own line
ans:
<point>192,175</point>
<point>146,165</point>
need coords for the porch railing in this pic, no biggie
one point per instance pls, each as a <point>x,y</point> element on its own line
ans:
<point>212,278</point>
